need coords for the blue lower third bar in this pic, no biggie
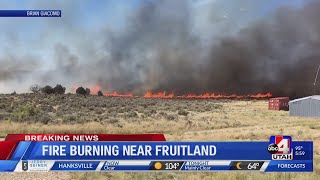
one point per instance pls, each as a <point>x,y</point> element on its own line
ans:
<point>290,166</point>
<point>30,13</point>
<point>75,166</point>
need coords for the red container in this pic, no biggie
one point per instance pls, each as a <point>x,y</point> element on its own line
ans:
<point>279,103</point>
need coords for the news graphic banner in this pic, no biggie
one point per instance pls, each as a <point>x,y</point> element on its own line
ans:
<point>30,13</point>
<point>149,152</point>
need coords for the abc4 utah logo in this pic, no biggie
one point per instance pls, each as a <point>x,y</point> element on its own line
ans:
<point>280,148</point>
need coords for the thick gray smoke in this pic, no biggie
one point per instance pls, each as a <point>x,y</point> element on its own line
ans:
<point>160,52</point>
<point>162,49</point>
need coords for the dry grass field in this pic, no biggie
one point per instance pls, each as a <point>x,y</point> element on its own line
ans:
<point>178,119</point>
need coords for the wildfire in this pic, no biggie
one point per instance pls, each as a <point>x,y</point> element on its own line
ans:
<point>165,95</point>
<point>206,96</point>
<point>158,95</point>
<point>268,95</point>
<point>95,89</point>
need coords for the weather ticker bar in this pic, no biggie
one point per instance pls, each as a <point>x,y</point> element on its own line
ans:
<point>150,152</point>
<point>30,13</point>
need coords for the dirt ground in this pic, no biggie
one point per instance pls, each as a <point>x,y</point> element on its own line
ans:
<point>178,119</point>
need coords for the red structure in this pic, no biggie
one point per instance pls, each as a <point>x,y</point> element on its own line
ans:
<point>279,103</point>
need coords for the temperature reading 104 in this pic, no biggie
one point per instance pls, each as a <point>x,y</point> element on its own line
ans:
<point>172,166</point>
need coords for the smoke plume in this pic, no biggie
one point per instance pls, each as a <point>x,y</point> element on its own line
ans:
<point>161,49</point>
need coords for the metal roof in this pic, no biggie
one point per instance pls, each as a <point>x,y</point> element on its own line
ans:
<point>315,97</point>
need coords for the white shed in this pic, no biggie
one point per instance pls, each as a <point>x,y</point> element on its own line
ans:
<point>305,107</point>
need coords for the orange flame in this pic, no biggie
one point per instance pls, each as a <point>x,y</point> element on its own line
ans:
<point>206,96</point>
<point>158,95</point>
<point>164,95</point>
<point>268,95</point>
<point>95,89</point>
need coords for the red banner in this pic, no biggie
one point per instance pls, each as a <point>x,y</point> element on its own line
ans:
<point>85,137</point>
<point>6,149</point>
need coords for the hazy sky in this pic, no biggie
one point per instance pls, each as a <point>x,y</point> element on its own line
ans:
<point>83,23</point>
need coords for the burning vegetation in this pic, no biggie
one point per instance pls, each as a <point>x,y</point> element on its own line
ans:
<point>97,90</point>
<point>205,96</point>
